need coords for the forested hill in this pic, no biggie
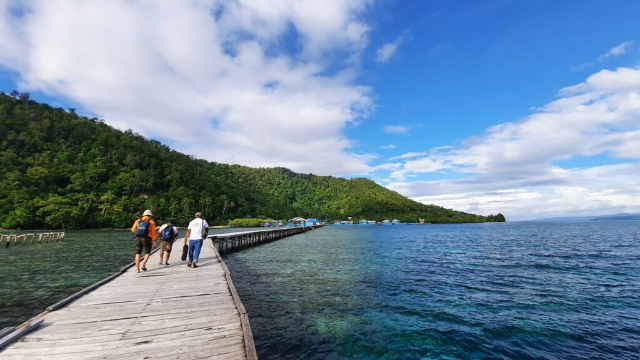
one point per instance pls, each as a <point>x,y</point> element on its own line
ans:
<point>60,170</point>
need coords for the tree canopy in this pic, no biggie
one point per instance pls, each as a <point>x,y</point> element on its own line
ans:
<point>61,170</point>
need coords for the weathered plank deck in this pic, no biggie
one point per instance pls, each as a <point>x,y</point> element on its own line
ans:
<point>168,312</point>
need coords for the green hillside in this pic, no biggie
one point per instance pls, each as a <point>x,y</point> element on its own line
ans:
<point>61,170</point>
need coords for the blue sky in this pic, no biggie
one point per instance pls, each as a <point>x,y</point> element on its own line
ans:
<point>531,109</point>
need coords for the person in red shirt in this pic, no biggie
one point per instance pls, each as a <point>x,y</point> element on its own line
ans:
<point>144,232</point>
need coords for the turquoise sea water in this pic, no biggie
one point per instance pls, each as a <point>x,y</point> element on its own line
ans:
<point>482,291</point>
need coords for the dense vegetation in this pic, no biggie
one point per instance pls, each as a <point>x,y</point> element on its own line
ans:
<point>247,222</point>
<point>60,170</point>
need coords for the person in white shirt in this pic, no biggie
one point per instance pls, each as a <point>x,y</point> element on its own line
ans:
<point>195,236</point>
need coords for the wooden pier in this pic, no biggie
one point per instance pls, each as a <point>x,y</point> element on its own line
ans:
<point>167,312</point>
<point>245,239</point>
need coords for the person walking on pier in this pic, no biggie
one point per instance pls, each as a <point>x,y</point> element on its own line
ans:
<point>168,234</point>
<point>196,233</point>
<point>144,232</point>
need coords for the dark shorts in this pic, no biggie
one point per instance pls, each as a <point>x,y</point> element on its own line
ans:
<point>166,246</point>
<point>143,244</point>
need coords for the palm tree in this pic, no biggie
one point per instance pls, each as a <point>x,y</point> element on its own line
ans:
<point>206,201</point>
<point>106,204</point>
<point>115,209</point>
<point>186,202</point>
<point>88,198</point>
<point>225,203</point>
<point>174,206</point>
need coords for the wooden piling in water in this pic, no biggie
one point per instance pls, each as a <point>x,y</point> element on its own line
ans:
<point>30,238</point>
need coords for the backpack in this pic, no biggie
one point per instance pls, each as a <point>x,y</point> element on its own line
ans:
<point>205,231</point>
<point>143,228</point>
<point>167,233</point>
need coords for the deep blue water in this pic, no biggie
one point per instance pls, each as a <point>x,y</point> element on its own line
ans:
<point>483,291</point>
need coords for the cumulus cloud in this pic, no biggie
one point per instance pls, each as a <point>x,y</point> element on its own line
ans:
<point>517,166</point>
<point>211,77</point>
<point>396,129</point>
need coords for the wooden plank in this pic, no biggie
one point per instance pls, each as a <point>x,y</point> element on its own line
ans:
<point>133,329</point>
<point>145,313</point>
<point>126,348</point>
<point>118,340</point>
<point>99,303</point>
<point>88,334</point>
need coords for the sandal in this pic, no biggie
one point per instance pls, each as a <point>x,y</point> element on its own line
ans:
<point>189,264</point>
<point>144,269</point>
<point>194,265</point>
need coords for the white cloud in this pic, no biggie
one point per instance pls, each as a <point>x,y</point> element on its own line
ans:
<point>11,40</point>
<point>388,147</point>
<point>617,50</point>
<point>396,129</point>
<point>600,116</point>
<point>212,76</point>
<point>613,52</point>
<point>596,191</point>
<point>386,51</point>
<point>408,155</point>
<point>388,166</point>
<point>605,81</point>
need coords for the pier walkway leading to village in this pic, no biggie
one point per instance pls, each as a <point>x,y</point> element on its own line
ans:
<point>167,312</point>
<point>244,239</point>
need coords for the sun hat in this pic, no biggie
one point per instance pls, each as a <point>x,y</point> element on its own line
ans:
<point>147,213</point>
